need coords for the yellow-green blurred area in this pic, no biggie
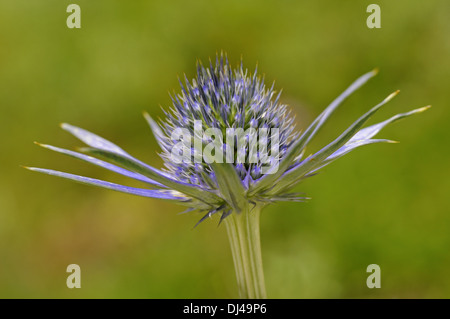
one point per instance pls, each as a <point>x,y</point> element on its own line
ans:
<point>385,204</point>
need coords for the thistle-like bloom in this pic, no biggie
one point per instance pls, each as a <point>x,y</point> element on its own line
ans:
<point>223,98</point>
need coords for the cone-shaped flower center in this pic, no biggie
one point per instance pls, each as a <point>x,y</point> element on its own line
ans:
<point>228,115</point>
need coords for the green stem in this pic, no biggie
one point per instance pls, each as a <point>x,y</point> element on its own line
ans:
<point>243,233</point>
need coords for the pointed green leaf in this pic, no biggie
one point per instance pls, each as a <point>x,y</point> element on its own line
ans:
<point>230,185</point>
<point>316,160</point>
<point>161,177</point>
<point>92,139</point>
<point>267,180</point>
<point>161,194</point>
<point>103,164</point>
<point>372,130</point>
<point>108,150</point>
<point>364,136</point>
<point>157,132</point>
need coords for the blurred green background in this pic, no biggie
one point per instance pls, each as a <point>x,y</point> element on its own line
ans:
<point>383,204</point>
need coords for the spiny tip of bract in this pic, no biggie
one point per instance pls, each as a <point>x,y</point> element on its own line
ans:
<point>392,95</point>
<point>423,109</point>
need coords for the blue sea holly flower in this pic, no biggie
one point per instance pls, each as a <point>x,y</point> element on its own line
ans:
<point>232,172</point>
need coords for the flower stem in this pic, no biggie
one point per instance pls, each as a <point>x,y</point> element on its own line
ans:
<point>243,233</point>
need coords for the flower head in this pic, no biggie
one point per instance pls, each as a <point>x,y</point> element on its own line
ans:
<point>263,155</point>
<point>237,105</point>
